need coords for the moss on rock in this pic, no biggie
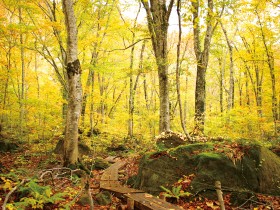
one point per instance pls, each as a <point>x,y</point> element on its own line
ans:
<point>258,170</point>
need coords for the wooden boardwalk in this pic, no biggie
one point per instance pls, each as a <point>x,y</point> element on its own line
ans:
<point>136,199</point>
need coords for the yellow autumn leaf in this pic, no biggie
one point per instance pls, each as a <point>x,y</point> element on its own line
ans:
<point>10,207</point>
<point>7,184</point>
<point>48,192</point>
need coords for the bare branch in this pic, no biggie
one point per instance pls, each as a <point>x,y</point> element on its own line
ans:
<point>129,45</point>
<point>12,191</point>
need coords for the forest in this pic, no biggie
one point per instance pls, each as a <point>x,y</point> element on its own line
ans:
<point>168,95</point>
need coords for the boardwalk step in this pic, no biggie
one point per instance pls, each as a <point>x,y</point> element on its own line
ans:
<point>111,173</point>
<point>138,198</point>
<point>146,201</point>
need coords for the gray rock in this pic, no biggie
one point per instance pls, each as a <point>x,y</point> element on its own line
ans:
<point>258,170</point>
<point>103,198</point>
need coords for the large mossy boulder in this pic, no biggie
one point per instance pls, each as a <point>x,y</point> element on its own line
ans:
<point>240,168</point>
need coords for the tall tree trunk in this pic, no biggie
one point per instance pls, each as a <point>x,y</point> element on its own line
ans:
<point>240,88</point>
<point>22,93</point>
<point>231,71</point>
<point>202,57</point>
<point>258,70</point>
<point>247,89</point>
<point>131,89</point>
<point>158,17</point>
<point>91,119</point>
<point>102,88</point>
<point>131,94</point>
<point>270,62</point>
<point>178,68</point>
<point>5,97</point>
<point>186,100</point>
<point>135,86</point>
<point>95,55</point>
<point>221,84</point>
<point>75,88</point>
<point>39,114</point>
<point>86,92</point>
<point>145,91</point>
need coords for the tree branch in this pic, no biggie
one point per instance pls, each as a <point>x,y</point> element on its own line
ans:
<point>169,9</point>
<point>129,45</point>
<point>11,192</point>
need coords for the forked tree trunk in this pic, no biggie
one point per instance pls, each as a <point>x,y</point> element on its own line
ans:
<point>75,88</point>
<point>158,14</point>
<point>202,56</point>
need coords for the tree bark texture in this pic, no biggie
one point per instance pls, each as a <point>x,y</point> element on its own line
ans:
<point>95,55</point>
<point>75,87</point>
<point>230,104</point>
<point>256,77</point>
<point>221,84</point>
<point>22,92</point>
<point>202,57</point>
<point>103,86</point>
<point>178,68</point>
<point>270,62</point>
<point>131,88</point>
<point>158,14</point>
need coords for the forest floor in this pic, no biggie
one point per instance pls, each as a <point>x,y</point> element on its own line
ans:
<point>47,185</point>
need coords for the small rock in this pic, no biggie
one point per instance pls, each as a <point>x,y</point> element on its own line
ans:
<point>101,164</point>
<point>84,200</point>
<point>103,198</point>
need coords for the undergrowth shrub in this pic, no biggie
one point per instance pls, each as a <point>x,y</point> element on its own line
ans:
<point>31,195</point>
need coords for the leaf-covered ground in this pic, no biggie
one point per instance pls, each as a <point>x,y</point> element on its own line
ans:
<point>49,186</point>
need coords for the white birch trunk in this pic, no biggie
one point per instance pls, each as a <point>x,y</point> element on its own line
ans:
<point>75,88</point>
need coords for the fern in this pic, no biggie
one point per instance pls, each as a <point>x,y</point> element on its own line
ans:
<point>37,196</point>
<point>175,192</point>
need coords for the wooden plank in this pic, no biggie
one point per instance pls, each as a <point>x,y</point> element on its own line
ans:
<point>116,187</point>
<point>130,204</point>
<point>111,173</point>
<point>146,201</point>
<point>111,159</point>
<point>109,181</point>
<point>105,184</point>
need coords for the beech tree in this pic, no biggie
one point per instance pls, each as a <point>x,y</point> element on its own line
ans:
<point>270,61</point>
<point>75,88</point>
<point>158,14</point>
<point>202,57</point>
<point>120,83</point>
<point>178,68</point>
